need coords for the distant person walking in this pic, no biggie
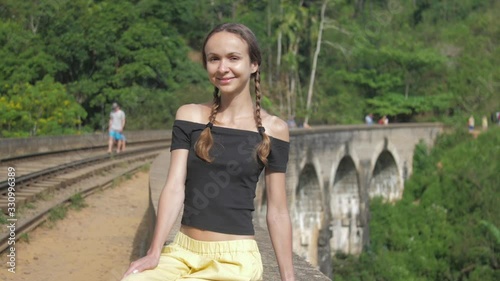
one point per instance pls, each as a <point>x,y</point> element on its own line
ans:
<point>116,125</point>
<point>470,123</point>
<point>384,120</point>
<point>484,123</point>
<point>291,122</point>
<point>369,119</point>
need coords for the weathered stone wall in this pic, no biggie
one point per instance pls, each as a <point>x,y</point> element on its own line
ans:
<point>13,147</point>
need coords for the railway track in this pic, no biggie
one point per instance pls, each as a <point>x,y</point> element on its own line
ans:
<point>45,181</point>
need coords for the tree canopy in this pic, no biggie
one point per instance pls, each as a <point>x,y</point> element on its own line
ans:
<point>410,60</point>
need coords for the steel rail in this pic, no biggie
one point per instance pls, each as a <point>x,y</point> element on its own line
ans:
<point>4,185</point>
<point>32,222</point>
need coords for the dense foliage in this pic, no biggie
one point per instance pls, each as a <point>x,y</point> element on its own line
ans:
<point>446,225</point>
<point>418,60</point>
<point>74,58</point>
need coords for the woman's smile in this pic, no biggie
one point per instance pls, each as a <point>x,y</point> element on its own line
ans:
<point>225,80</point>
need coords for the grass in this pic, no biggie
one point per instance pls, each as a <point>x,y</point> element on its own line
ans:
<point>29,206</point>
<point>25,237</point>
<point>116,182</point>
<point>145,168</point>
<point>58,213</point>
<point>3,218</point>
<point>77,202</point>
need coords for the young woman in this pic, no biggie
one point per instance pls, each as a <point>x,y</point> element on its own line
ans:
<point>218,151</point>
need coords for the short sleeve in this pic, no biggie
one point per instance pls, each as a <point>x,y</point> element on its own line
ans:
<point>277,160</point>
<point>181,136</point>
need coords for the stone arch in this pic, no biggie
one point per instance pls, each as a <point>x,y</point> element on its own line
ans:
<point>345,208</point>
<point>308,213</point>
<point>387,145</point>
<point>386,180</point>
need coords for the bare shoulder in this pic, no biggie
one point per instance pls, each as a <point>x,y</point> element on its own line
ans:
<point>275,127</point>
<point>192,112</point>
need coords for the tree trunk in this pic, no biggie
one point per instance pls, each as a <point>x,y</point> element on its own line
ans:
<point>359,7</point>
<point>292,74</point>
<point>278,60</point>
<point>291,94</point>
<point>315,62</point>
<point>269,51</point>
<point>34,24</point>
<point>407,84</point>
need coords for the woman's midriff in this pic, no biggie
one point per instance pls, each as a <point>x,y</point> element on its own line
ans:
<point>206,235</point>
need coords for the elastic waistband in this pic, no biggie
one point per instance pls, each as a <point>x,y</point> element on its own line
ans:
<point>215,247</point>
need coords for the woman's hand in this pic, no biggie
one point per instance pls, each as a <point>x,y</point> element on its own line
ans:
<point>149,261</point>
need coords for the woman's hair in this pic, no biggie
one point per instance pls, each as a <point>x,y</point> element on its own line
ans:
<point>205,141</point>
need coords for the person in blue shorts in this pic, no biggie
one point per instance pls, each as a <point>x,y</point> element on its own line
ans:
<point>116,125</point>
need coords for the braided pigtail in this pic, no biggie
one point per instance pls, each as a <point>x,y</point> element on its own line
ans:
<point>205,141</point>
<point>265,145</point>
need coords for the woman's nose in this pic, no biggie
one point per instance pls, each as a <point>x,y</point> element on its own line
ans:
<point>222,66</point>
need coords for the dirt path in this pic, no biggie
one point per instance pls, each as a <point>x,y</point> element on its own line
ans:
<point>92,244</point>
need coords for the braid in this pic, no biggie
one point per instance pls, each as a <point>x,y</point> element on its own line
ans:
<point>265,145</point>
<point>205,141</point>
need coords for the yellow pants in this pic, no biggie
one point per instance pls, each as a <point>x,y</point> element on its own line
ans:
<point>188,259</point>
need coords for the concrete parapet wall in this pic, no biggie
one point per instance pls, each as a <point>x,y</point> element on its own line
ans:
<point>14,147</point>
<point>303,270</point>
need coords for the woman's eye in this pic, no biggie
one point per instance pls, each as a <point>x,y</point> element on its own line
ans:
<point>213,59</point>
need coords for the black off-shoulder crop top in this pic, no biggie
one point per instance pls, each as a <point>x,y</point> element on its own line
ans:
<point>219,195</point>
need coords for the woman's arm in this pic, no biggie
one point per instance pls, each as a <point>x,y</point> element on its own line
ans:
<point>171,200</point>
<point>169,206</point>
<point>278,218</point>
<point>278,223</point>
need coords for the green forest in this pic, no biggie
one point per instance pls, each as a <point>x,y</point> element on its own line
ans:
<point>328,62</point>
<point>64,62</point>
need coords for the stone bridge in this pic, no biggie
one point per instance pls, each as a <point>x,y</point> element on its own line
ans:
<point>332,174</point>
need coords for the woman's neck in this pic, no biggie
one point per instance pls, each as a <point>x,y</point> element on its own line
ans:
<point>236,107</point>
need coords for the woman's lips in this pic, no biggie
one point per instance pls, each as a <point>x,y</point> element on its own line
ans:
<point>225,80</point>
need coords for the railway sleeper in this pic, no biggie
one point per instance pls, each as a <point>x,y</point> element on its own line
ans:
<point>33,190</point>
<point>4,203</point>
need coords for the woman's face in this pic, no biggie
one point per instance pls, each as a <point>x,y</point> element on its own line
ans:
<point>228,63</point>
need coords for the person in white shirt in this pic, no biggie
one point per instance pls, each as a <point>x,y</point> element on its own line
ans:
<point>369,119</point>
<point>116,125</point>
